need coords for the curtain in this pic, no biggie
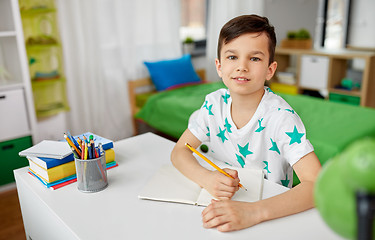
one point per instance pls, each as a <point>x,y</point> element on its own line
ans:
<point>220,12</point>
<point>105,43</point>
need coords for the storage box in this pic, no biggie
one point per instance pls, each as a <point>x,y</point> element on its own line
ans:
<point>284,88</point>
<point>314,72</point>
<point>353,100</point>
<point>10,159</point>
<point>13,121</point>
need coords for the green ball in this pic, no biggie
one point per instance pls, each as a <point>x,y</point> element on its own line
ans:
<point>335,201</point>
<point>204,148</point>
<point>359,165</point>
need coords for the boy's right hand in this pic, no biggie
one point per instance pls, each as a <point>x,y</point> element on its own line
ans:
<point>221,186</point>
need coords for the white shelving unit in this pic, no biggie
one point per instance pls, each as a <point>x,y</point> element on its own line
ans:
<point>18,119</point>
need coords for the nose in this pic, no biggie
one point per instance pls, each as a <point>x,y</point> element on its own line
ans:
<point>242,67</point>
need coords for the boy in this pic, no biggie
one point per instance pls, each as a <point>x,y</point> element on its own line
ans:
<point>247,125</point>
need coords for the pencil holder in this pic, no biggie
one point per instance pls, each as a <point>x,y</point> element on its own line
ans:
<point>91,174</point>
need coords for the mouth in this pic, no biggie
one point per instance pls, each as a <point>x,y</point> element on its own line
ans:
<point>241,79</point>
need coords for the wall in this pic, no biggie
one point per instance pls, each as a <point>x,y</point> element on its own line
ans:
<point>51,128</point>
<point>291,15</point>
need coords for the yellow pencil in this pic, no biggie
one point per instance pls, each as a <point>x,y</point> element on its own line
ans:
<point>85,151</point>
<point>212,164</point>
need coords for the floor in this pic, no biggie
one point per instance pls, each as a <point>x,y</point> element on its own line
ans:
<point>11,225</point>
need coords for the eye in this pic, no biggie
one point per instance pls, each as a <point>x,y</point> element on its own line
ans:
<point>255,59</point>
<point>232,57</point>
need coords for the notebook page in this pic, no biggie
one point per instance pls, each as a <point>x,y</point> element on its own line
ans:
<point>169,185</point>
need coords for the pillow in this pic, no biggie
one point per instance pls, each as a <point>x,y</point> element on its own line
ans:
<point>172,73</point>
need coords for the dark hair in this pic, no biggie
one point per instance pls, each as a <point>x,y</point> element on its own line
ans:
<point>247,24</point>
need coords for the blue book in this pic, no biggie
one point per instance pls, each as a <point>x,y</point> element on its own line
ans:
<point>106,143</point>
<point>74,176</point>
<point>48,163</point>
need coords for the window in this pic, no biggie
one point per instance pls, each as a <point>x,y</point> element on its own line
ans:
<point>193,23</point>
<point>336,23</point>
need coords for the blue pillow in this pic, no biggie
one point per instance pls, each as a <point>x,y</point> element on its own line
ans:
<point>168,74</point>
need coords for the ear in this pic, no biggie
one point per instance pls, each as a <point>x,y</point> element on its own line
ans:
<point>271,70</point>
<point>218,67</point>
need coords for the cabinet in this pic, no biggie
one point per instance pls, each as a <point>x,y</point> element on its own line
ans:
<point>45,58</point>
<point>328,72</point>
<point>17,114</point>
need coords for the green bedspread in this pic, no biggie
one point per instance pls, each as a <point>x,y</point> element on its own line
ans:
<point>330,126</point>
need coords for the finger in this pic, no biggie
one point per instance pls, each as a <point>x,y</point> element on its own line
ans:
<point>228,186</point>
<point>229,181</point>
<point>215,222</point>
<point>213,216</point>
<point>226,227</point>
<point>214,209</point>
<point>231,172</point>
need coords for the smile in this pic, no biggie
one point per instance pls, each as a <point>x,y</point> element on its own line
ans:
<point>241,79</point>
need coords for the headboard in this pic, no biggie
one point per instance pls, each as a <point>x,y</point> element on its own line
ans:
<point>138,86</point>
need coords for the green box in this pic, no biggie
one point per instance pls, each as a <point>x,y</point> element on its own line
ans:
<point>10,159</point>
<point>353,100</point>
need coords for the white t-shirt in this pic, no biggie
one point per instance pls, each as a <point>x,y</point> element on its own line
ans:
<point>273,140</point>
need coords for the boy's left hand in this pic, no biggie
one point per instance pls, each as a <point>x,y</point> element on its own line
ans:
<point>230,215</point>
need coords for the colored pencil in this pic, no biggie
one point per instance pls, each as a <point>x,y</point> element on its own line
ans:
<point>72,144</point>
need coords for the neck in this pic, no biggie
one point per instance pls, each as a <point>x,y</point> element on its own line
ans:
<point>247,102</point>
<point>244,106</point>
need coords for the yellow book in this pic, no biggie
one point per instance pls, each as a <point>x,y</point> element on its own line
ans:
<point>64,170</point>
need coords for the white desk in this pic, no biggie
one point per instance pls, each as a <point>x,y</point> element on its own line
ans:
<point>117,213</point>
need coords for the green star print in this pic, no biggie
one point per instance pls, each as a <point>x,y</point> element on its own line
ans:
<point>290,110</point>
<point>208,134</point>
<point>274,147</point>
<point>240,160</point>
<point>260,128</point>
<point>221,134</point>
<point>266,167</point>
<point>244,150</point>
<point>285,182</point>
<point>209,108</point>
<point>269,89</point>
<point>225,97</point>
<point>295,136</point>
<point>228,126</point>
<point>205,105</point>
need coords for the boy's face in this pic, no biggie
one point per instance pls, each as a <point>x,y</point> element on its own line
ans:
<point>244,64</point>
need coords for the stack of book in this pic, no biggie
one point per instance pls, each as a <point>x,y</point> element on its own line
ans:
<point>52,162</point>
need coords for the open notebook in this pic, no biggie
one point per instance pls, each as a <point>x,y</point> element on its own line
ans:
<point>169,185</point>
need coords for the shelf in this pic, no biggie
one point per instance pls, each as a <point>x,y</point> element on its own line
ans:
<point>7,34</point>
<point>325,77</point>
<point>10,86</point>
<point>37,11</point>
<point>356,93</point>
<point>41,46</point>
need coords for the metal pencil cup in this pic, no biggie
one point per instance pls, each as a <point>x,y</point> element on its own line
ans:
<point>91,174</point>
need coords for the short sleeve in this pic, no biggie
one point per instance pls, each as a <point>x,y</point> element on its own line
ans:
<point>198,124</point>
<point>291,137</point>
